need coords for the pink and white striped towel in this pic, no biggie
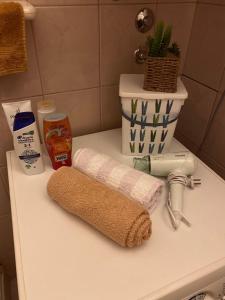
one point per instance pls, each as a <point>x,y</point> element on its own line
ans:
<point>134,184</point>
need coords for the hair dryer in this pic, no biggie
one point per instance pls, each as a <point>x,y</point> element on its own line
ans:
<point>178,168</point>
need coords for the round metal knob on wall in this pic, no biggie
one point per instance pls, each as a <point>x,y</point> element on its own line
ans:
<point>144,20</point>
<point>140,55</point>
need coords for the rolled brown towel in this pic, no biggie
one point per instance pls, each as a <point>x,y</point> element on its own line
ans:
<point>123,220</point>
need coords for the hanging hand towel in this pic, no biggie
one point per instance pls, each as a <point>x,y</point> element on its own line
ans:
<point>134,184</point>
<point>124,221</point>
<point>13,55</point>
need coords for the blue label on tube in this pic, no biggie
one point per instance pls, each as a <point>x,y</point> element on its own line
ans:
<point>23,119</point>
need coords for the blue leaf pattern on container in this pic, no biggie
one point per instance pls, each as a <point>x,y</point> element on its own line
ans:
<point>133,120</point>
<point>142,135</point>
<point>143,121</point>
<point>165,120</point>
<point>151,148</point>
<point>163,135</point>
<point>144,107</point>
<point>169,106</point>
<point>141,147</point>
<point>155,120</point>
<point>161,147</point>
<point>158,103</point>
<point>153,135</point>
<point>134,106</point>
<point>133,134</point>
<point>132,147</point>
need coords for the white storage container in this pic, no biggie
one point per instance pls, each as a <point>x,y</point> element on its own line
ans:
<point>148,118</point>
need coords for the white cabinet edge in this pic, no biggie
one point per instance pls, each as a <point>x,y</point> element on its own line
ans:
<point>16,237</point>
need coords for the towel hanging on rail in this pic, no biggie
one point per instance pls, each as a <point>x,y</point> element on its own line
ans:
<point>13,53</point>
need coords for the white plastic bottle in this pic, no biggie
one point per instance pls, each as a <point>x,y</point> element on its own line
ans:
<point>27,143</point>
<point>44,109</point>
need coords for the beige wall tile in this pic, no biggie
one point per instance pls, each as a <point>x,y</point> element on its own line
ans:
<point>62,2</point>
<point>4,196</point>
<point>110,107</point>
<point>206,54</point>
<point>180,16</point>
<point>6,246</point>
<point>83,109</point>
<point>23,84</point>
<point>195,114</point>
<point>214,2</point>
<point>119,39</point>
<point>213,148</point>
<point>67,41</point>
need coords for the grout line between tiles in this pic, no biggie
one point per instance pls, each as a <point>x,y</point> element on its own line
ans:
<point>221,80</point>
<point>210,3</point>
<point>37,58</point>
<point>96,4</point>
<point>199,82</point>
<point>214,110</point>
<point>109,85</point>
<point>151,2</point>
<point>115,4</point>
<point>189,40</point>
<point>20,98</point>
<point>156,13</point>
<point>55,93</point>
<point>72,91</point>
<point>63,5</point>
<point>100,62</point>
<point>176,2</point>
<point>218,99</point>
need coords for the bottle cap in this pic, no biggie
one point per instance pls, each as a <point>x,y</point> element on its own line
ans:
<point>46,106</point>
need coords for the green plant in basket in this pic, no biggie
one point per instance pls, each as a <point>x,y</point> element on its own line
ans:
<point>159,44</point>
<point>162,62</point>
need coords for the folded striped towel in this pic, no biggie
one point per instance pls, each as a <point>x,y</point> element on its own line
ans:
<point>134,184</point>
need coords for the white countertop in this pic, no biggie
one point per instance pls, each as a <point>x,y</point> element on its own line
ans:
<point>59,257</point>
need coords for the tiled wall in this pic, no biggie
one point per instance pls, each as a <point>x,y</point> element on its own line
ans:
<point>77,49</point>
<point>202,122</point>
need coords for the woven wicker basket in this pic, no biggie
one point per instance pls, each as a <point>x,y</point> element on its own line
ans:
<point>161,74</point>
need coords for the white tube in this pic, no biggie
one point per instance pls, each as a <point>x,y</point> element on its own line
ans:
<point>12,108</point>
<point>45,108</point>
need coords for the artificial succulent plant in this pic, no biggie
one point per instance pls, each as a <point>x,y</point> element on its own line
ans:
<point>159,44</point>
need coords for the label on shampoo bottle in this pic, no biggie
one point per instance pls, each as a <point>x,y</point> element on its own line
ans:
<point>13,108</point>
<point>27,143</point>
